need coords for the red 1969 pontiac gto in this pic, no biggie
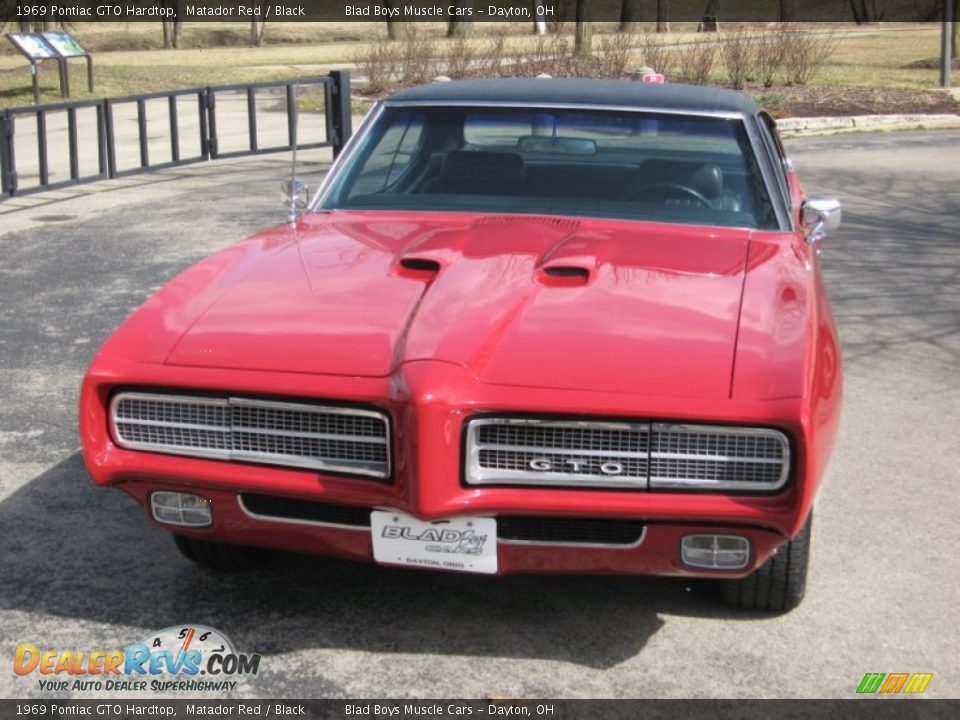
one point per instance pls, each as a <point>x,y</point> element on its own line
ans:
<point>523,326</point>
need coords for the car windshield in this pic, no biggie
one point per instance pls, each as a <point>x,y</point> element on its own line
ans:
<point>601,163</point>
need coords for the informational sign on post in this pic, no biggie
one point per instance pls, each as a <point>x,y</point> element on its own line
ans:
<point>66,47</point>
<point>36,49</point>
<point>32,45</point>
<point>64,43</point>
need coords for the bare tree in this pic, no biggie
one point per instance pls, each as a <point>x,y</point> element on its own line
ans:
<point>173,27</point>
<point>460,25</point>
<point>663,16</point>
<point>257,30</point>
<point>629,15</point>
<point>258,26</point>
<point>583,40</point>
<point>8,9</point>
<point>956,28</point>
<point>392,23</point>
<point>865,11</point>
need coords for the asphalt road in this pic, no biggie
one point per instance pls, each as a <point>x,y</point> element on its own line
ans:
<point>80,568</point>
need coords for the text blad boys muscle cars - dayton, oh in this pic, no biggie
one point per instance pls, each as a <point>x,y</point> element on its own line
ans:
<point>523,326</point>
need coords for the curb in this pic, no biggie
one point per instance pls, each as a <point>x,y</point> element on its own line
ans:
<point>794,127</point>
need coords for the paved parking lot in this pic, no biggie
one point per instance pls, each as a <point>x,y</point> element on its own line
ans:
<point>81,569</point>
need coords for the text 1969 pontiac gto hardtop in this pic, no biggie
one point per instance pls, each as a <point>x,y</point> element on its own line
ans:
<point>524,326</point>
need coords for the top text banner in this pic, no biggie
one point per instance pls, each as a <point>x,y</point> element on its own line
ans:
<point>72,11</point>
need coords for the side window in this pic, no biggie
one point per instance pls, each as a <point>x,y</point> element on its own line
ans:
<point>771,126</point>
<point>773,137</point>
<point>768,131</point>
<point>391,157</point>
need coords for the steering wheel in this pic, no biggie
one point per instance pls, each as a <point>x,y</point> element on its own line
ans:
<point>666,190</point>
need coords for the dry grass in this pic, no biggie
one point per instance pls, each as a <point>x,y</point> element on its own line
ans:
<point>873,56</point>
<point>877,59</point>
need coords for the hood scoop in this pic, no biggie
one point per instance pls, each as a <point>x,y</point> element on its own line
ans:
<point>424,269</point>
<point>564,275</point>
<point>417,264</point>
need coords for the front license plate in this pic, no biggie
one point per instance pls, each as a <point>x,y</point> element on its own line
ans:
<point>464,544</point>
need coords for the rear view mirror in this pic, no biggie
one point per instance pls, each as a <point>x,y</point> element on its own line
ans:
<point>819,216</point>
<point>557,145</point>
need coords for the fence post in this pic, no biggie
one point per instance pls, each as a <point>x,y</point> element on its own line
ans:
<point>111,140</point>
<point>8,172</point>
<point>213,145</point>
<point>340,110</point>
<point>204,123</point>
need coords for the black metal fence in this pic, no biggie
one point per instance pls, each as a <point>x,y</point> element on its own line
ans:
<point>226,115</point>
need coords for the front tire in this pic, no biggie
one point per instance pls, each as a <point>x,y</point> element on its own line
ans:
<point>779,584</point>
<point>222,557</point>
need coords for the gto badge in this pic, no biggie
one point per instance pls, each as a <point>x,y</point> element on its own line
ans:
<point>546,465</point>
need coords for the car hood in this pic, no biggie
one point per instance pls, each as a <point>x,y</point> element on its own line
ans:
<point>517,300</point>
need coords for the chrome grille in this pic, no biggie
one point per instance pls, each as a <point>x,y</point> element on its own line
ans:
<point>707,456</point>
<point>522,451</point>
<point>335,439</point>
<point>527,451</point>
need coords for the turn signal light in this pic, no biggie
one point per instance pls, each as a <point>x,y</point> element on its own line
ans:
<point>715,552</point>
<point>175,508</point>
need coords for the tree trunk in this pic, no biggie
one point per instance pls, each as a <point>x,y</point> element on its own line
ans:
<point>23,25</point>
<point>460,25</point>
<point>629,15</point>
<point>854,10</point>
<point>539,21</point>
<point>166,34</point>
<point>583,40</point>
<point>177,24</point>
<point>861,10</point>
<point>663,16</point>
<point>956,28</point>
<point>785,13</point>
<point>392,24</point>
<point>257,30</point>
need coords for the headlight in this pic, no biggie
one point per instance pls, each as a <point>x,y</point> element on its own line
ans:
<point>628,455</point>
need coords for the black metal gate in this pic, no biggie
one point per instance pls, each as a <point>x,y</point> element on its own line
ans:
<point>106,127</point>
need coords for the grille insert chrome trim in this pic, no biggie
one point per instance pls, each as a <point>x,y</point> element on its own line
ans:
<point>629,455</point>
<point>526,451</point>
<point>296,434</point>
<point>711,456</point>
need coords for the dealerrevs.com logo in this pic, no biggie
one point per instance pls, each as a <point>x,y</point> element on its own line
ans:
<point>188,658</point>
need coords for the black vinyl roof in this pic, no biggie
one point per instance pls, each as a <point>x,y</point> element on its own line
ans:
<point>622,93</point>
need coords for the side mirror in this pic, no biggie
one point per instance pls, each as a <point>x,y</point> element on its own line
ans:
<point>818,216</point>
<point>295,194</point>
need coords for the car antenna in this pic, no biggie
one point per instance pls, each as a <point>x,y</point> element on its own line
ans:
<point>294,190</point>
